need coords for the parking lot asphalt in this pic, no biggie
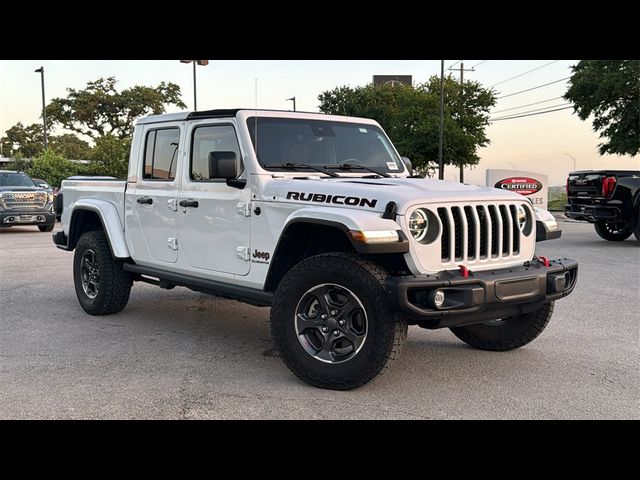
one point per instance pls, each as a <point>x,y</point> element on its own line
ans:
<point>180,354</point>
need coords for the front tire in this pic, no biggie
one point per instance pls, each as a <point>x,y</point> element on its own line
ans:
<point>332,324</point>
<point>46,228</point>
<point>102,286</point>
<point>508,333</point>
<point>612,232</point>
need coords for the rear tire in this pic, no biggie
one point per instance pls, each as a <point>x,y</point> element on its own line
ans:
<point>102,286</point>
<point>46,228</point>
<point>331,321</point>
<point>506,334</point>
<point>612,231</point>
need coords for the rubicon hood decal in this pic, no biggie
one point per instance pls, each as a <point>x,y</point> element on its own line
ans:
<point>336,199</point>
<point>521,185</point>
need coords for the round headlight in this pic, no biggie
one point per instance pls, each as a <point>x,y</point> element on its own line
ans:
<point>418,224</point>
<point>523,218</point>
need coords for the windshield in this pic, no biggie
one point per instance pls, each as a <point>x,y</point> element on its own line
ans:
<point>12,179</point>
<point>322,142</point>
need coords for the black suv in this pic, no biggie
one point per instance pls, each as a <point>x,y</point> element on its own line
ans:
<point>23,202</point>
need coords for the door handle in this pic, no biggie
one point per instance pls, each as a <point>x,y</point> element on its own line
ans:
<point>189,203</point>
<point>145,200</point>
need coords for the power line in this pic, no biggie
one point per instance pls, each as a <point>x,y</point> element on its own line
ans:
<point>454,64</point>
<point>537,109</point>
<point>525,73</point>
<point>526,105</point>
<point>474,66</point>
<point>528,114</point>
<point>532,88</point>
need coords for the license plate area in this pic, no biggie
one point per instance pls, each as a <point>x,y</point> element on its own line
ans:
<point>508,290</point>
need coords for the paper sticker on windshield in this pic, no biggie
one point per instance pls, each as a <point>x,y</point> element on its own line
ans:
<point>392,166</point>
<point>362,130</point>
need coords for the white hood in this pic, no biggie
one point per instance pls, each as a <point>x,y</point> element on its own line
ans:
<point>373,194</point>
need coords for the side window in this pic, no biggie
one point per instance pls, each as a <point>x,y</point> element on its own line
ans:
<point>160,154</point>
<point>211,138</point>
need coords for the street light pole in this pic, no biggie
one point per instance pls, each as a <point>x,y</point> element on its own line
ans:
<point>294,102</point>
<point>195,62</point>
<point>574,160</point>
<point>440,164</point>
<point>44,111</point>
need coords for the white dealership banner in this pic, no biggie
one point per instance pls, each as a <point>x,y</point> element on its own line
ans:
<point>531,185</point>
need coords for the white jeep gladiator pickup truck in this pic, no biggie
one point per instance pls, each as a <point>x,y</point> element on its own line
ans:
<point>320,218</point>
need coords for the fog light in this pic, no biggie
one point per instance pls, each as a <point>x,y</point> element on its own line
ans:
<point>438,298</point>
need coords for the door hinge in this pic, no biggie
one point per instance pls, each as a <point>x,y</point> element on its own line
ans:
<point>243,253</point>
<point>173,204</point>
<point>244,208</point>
<point>172,243</point>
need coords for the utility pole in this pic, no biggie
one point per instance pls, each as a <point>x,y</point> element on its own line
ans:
<point>440,164</point>
<point>462,70</point>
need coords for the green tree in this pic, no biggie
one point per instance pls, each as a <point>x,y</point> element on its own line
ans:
<point>100,109</point>
<point>610,91</point>
<point>23,141</point>
<point>19,163</point>
<point>53,167</point>
<point>70,146</point>
<point>411,117</point>
<point>110,156</point>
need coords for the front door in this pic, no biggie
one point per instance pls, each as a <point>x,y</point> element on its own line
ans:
<point>214,221</point>
<point>154,200</point>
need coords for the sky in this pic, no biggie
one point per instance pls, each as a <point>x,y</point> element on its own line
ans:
<point>544,144</point>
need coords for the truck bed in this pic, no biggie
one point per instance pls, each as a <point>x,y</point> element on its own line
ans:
<point>99,188</point>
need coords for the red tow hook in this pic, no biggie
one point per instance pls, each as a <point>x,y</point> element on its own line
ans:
<point>464,271</point>
<point>543,260</point>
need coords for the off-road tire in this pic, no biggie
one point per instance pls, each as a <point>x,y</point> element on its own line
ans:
<point>46,228</point>
<point>513,333</point>
<point>386,333</point>
<point>609,232</point>
<point>114,285</point>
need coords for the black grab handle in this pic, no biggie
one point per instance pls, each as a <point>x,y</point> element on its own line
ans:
<point>189,203</point>
<point>145,200</point>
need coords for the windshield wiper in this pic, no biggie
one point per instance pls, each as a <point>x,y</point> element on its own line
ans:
<point>350,166</point>
<point>321,169</point>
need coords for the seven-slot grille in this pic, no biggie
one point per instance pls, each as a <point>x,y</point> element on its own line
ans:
<point>478,232</point>
<point>23,199</point>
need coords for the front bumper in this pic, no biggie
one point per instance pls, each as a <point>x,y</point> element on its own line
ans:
<point>481,296</point>
<point>26,217</point>
<point>593,213</point>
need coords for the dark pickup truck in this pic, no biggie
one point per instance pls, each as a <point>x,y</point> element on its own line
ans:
<point>610,199</point>
<point>23,202</point>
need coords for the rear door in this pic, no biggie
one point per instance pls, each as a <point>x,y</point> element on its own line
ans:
<point>154,200</point>
<point>214,227</point>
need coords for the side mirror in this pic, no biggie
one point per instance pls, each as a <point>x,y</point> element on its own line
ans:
<point>224,165</point>
<point>407,163</point>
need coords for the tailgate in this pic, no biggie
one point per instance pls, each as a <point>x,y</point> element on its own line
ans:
<point>583,186</point>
